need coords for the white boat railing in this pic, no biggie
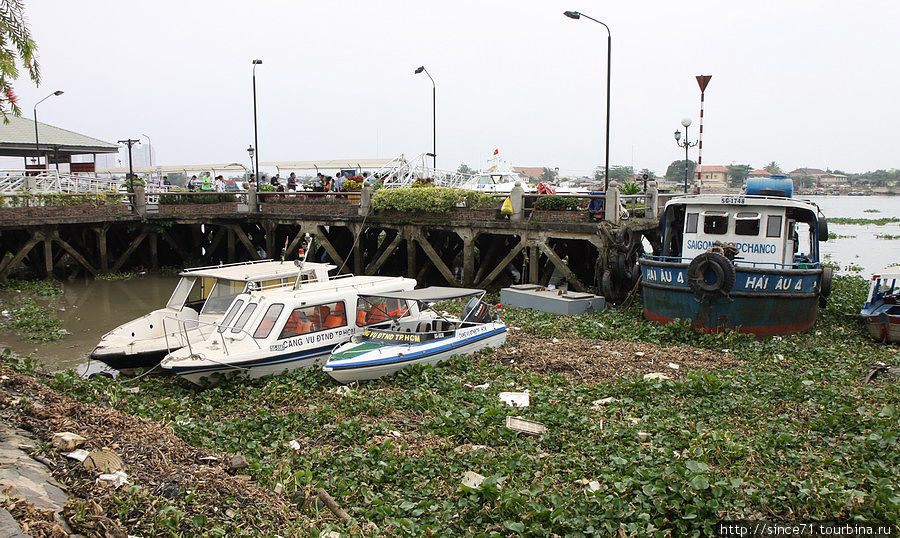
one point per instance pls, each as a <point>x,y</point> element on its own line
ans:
<point>403,173</point>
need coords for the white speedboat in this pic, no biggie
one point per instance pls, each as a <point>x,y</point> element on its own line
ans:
<point>200,298</point>
<point>268,332</point>
<point>423,337</point>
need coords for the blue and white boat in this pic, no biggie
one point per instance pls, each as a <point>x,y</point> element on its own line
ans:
<point>426,337</point>
<point>268,332</point>
<point>748,262</point>
<point>882,308</point>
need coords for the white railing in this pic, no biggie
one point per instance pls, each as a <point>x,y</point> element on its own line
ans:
<point>403,173</point>
<point>51,181</point>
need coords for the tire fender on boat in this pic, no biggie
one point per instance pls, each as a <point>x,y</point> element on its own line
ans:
<point>721,268</point>
<point>825,286</point>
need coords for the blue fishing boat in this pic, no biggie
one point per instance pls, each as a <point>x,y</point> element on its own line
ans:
<point>747,262</point>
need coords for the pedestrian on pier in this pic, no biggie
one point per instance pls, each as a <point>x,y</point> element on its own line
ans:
<point>192,184</point>
<point>292,182</point>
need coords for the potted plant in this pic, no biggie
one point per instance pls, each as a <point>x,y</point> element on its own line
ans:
<point>353,188</point>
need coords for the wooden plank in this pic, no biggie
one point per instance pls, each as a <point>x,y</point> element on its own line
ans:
<point>48,257</point>
<point>171,242</point>
<point>468,259</point>
<point>74,254</point>
<point>570,276</point>
<point>534,268</point>
<point>20,255</point>
<point>242,237</point>
<point>131,248</point>
<point>410,258</point>
<point>437,261</point>
<point>503,264</point>
<point>385,254</point>
<point>329,248</point>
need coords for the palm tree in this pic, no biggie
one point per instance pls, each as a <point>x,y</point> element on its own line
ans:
<point>15,45</point>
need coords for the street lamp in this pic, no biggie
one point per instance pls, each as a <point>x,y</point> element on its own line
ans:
<point>250,150</point>
<point>255,130</point>
<point>37,145</point>
<point>149,149</point>
<point>577,15</point>
<point>687,144</point>
<point>421,69</point>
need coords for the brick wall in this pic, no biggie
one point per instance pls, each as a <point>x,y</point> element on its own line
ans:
<point>19,214</point>
<point>217,209</point>
<point>324,209</point>
<point>560,216</point>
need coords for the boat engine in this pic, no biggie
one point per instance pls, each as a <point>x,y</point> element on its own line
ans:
<point>476,311</point>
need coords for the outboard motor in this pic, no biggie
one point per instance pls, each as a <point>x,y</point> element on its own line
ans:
<point>476,311</point>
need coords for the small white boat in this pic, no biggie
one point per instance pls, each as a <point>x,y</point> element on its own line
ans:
<point>268,332</point>
<point>200,299</point>
<point>882,308</point>
<point>425,337</point>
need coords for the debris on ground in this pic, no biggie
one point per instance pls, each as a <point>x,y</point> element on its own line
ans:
<point>643,436</point>
<point>113,480</point>
<point>483,386</point>
<point>602,402</point>
<point>78,455</point>
<point>524,425</point>
<point>104,461</point>
<point>590,360</point>
<point>516,399</point>
<point>237,462</point>
<point>655,375</point>
<point>472,480</point>
<point>67,440</point>
<point>463,449</point>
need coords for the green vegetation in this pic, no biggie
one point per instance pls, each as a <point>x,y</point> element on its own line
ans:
<point>871,211</point>
<point>36,199</point>
<point>630,187</point>
<point>559,203</point>
<point>31,319</point>
<point>37,288</point>
<point>180,199</point>
<point>887,236</point>
<point>429,199</point>
<point>851,220</point>
<point>832,236</point>
<point>789,433</point>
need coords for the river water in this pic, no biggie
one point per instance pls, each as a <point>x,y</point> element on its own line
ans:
<point>90,308</point>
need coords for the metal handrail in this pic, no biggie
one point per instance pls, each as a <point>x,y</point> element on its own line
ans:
<point>775,265</point>
<point>212,333</point>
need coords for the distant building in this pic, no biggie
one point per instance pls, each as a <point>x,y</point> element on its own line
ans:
<point>759,173</point>
<point>529,172</point>
<point>807,172</point>
<point>831,179</point>
<point>714,177</point>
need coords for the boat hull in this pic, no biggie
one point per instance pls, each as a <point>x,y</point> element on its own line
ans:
<point>390,359</point>
<point>762,301</point>
<point>206,374</point>
<point>129,363</point>
<point>884,328</point>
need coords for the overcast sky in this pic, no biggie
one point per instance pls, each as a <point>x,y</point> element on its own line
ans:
<point>802,82</point>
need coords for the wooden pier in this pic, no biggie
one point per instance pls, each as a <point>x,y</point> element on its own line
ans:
<point>466,247</point>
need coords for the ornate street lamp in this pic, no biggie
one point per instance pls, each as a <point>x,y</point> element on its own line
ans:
<point>37,145</point>
<point>255,130</point>
<point>421,69</point>
<point>686,122</point>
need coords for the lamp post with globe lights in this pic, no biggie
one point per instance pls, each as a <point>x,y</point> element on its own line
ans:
<point>687,144</point>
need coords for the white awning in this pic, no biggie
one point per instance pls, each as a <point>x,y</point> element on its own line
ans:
<point>332,164</point>
<point>214,168</point>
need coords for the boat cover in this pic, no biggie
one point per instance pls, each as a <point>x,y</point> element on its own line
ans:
<point>430,294</point>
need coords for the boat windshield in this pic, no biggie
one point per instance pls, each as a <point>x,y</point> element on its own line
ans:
<point>371,310</point>
<point>181,293</point>
<point>221,295</point>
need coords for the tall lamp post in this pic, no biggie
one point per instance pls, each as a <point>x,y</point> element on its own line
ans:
<point>255,130</point>
<point>421,69</point>
<point>37,144</point>
<point>149,149</point>
<point>577,15</point>
<point>687,144</point>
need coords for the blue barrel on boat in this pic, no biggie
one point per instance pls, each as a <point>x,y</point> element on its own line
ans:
<point>771,186</point>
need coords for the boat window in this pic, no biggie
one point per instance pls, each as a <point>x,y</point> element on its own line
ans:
<point>180,295</point>
<point>485,180</point>
<point>746,223</point>
<point>715,222</point>
<point>268,321</point>
<point>231,313</point>
<point>221,296</point>
<point>773,226</point>
<point>377,309</point>
<point>242,320</point>
<point>312,319</point>
<point>690,226</point>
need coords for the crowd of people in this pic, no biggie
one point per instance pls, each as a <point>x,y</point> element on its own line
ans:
<point>322,183</point>
<point>206,184</point>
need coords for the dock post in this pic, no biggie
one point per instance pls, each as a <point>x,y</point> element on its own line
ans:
<point>611,213</point>
<point>517,199</point>
<point>140,200</point>
<point>651,201</point>
<point>252,199</point>
<point>365,200</point>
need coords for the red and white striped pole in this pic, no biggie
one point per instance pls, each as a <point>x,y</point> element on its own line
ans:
<point>703,81</point>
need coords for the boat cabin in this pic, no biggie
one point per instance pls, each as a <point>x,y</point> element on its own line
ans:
<point>210,290</point>
<point>768,230</point>
<point>884,289</point>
